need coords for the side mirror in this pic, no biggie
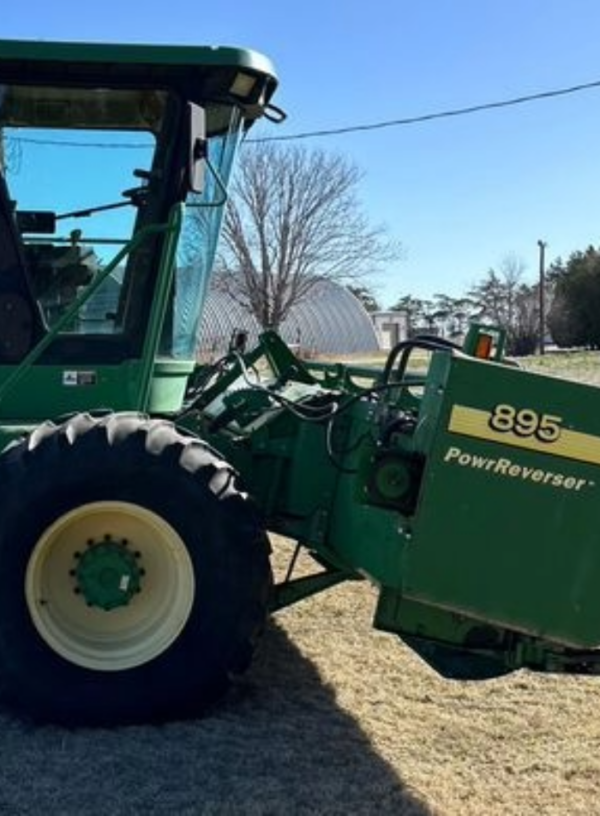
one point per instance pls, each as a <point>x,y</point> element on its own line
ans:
<point>197,148</point>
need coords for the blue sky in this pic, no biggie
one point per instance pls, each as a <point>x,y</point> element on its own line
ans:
<point>461,194</point>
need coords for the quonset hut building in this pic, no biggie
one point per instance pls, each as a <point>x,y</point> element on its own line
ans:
<point>330,320</point>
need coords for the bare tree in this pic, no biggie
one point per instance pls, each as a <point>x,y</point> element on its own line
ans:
<point>504,299</point>
<point>293,219</point>
<point>496,295</point>
<point>366,297</point>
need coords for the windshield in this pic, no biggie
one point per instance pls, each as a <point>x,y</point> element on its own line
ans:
<point>82,156</point>
<point>83,172</point>
<point>198,246</point>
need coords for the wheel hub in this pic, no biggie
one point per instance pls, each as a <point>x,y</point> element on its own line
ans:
<point>107,573</point>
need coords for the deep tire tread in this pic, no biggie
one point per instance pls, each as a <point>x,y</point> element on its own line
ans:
<point>239,564</point>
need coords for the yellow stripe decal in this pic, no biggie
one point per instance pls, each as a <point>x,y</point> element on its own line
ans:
<point>569,445</point>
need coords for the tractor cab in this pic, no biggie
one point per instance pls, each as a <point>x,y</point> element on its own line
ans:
<point>103,271</point>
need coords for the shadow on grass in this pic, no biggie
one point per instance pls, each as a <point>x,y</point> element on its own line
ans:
<point>278,744</point>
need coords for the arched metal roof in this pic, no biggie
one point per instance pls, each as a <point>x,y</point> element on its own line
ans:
<point>330,320</point>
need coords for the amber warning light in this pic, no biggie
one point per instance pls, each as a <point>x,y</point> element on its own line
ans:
<point>483,349</point>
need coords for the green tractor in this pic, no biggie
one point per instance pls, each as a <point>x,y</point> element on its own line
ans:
<point>138,486</point>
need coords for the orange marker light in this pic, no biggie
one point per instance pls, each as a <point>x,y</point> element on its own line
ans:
<point>483,349</point>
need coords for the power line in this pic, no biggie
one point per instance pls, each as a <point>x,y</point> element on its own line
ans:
<point>428,117</point>
<point>311,134</point>
<point>63,143</point>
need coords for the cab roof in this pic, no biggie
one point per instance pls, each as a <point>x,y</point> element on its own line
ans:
<point>198,71</point>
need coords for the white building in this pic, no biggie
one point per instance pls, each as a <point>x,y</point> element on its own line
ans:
<point>390,327</point>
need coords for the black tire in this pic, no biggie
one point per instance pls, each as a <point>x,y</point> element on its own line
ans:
<point>122,492</point>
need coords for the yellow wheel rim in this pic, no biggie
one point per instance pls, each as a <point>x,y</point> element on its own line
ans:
<point>147,622</point>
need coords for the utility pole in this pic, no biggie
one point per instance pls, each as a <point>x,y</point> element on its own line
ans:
<point>542,294</point>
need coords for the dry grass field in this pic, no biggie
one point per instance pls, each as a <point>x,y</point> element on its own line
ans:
<point>333,718</point>
<point>583,366</point>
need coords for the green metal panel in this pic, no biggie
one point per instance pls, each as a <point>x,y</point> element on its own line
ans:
<point>168,385</point>
<point>51,390</point>
<point>367,537</point>
<point>507,527</point>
